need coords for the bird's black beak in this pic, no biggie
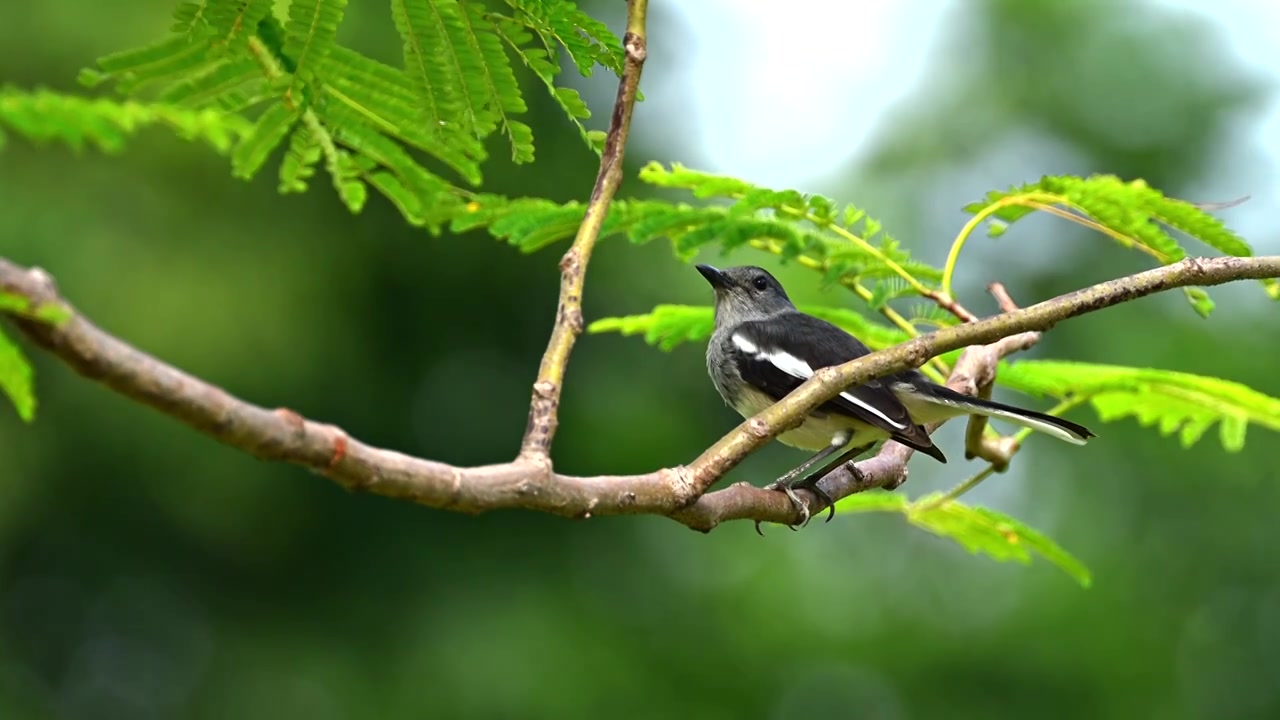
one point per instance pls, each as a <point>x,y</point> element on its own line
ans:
<point>713,276</point>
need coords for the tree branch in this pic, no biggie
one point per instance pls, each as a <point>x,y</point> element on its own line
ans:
<point>545,405</point>
<point>828,382</point>
<point>677,492</point>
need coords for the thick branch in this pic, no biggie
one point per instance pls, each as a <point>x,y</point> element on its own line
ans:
<point>527,482</point>
<point>545,404</point>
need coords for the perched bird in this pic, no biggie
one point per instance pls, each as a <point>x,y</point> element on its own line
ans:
<point>763,348</point>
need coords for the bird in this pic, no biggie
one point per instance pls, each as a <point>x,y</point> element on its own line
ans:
<point>763,348</point>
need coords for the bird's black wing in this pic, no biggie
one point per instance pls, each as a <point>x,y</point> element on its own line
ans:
<point>778,354</point>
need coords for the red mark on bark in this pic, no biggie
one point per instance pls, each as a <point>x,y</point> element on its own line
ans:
<point>339,450</point>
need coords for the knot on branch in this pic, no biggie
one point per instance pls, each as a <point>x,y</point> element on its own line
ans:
<point>917,353</point>
<point>46,288</point>
<point>571,317</point>
<point>292,420</point>
<point>681,483</point>
<point>570,265</point>
<point>757,428</point>
<point>637,49</point>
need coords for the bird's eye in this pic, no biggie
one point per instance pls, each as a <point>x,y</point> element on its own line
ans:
<point>760,282</point>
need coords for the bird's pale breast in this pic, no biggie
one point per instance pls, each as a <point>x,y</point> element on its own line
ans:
<point>816,431</point>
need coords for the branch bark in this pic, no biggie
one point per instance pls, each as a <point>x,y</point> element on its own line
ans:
<point>545,404</point>
<point>677,492</point>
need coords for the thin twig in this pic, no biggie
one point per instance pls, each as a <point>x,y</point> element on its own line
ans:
<point>1001,294</point>
<point>997,450</point>
<point>545,404</point>
<point>285,436</point>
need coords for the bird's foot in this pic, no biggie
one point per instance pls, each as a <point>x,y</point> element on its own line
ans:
<point>811,484</point>
<point>783,484</point>
<point>786,485</point>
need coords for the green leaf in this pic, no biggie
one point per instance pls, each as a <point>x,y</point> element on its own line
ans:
<point>233,23</point>
<point>1171,401</point>
<point>587,40</point>
<point>43,116</point>
<point>15,378</point>
<point>978,530</point>
<point>364,91</point>
<point>1200,301</point>
<point>491,80</point>
<point>435,80</point>
<point>52,313</point>
<point>216,83</point>
<point>455,58</point>
<point>813,227</point>
<point>1233,429</point>
<point>985,531</point>
<point>137,67</point>
<point>539,60</point>
<point>299,162</point>
<point>271,129</point>
<point>667,326</point>
<point>875,501</point>
<point>1138,216</point>
<point>311,33</point>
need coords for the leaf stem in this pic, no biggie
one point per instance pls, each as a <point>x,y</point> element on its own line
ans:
<point>1044,202</point>
<point>943,299</point>
<point>953,257</point>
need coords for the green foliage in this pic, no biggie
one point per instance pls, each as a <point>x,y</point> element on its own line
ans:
<point>671,325</point>
<point>15,378</point>
<point>15,371</point>
<point>456,60</point>
<point>811,230</point>
<point>976,529</point>
<point>234,74</point>
<point>586,39</point>
<point>46,117</point>
<point>839,239</point>
<point>310,33</point>
<point>992,533</point>
<point>542,61</point>
<point>667,326</point>
<point>1133,213</point>
<point>1171,401</point>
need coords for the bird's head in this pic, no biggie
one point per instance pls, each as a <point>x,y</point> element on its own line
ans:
<point>745,293</point>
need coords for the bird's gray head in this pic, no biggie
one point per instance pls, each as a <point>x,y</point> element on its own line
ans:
<point>745,293</point>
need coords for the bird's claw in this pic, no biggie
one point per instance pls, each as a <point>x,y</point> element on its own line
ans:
<point>800,505</point>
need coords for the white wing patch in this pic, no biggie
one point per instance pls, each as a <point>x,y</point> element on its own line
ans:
<point>873,411</point>
<point>795,367</point>
<point>742,343</point>
<point>787,363</point>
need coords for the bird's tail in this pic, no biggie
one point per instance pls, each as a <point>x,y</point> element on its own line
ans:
<point>1048,424</point>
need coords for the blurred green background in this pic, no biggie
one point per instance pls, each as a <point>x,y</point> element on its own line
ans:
<point>148,572</point>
